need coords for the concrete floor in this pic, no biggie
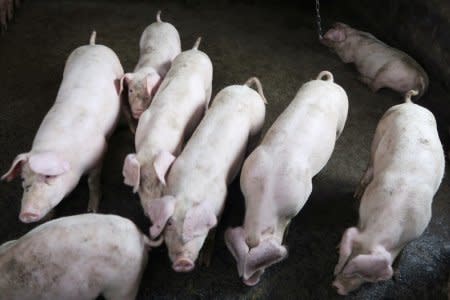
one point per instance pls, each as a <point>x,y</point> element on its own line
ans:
<point>278,45</point>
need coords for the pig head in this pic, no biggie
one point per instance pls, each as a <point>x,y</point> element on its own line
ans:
<point>141,89</point>
<point>184,228</point>
<point>147,178</point>
<point>358,265</point>
<point>336,39</point>
<point>47,179</point>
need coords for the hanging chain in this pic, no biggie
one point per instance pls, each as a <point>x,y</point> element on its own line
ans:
<point>319,25</point>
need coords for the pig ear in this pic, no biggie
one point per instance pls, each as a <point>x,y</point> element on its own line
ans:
<point>199,220</point>
<point>335,35</point>
<point>16,167</point>
<point>235,242</point>
<point>162,163</point>
<point>152,82</point>
<point>48,163</point>
<point>371,267</point>
<point>160,210</point>
<point>267,253</point>
<point>126,78</point>
<point>132,171</point>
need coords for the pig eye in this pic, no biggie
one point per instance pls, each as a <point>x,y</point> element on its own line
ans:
<point>27,187</point>
<point>169,222</point>
<point>130,90</point>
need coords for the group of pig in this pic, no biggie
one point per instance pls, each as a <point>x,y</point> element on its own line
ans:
<point>187,153</point>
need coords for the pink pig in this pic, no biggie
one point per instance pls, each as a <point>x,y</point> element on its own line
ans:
<point>379,64</point>
<point>75,258</point>
<point>276,178</point>
<point>176,110</point>
<point>159,45</point>
<point>197,183</point>
<point>405,171</point>
<point>72,137</point>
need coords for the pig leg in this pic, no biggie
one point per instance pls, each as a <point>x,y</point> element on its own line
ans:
<point>94,188</point>
<point>208,249</point>
<point>3,23</point>
<point>364,182</point>
<point>365,80</point>
<point>132,124</point>
<point>10,9</point>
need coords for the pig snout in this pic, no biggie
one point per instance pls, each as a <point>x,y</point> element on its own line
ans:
<point>183,264</point>
<point>137,113</point>
<point>29,216</point>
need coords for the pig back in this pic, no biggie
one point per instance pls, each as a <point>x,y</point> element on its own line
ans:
<point>407,142</point>
<point>160,35</point>
<point>216,149</point>
<point>87,104</point>
<point>58,258</point>
<point>310,125</point>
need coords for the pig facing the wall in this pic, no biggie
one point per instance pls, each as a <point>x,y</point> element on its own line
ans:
<point>379,65</point>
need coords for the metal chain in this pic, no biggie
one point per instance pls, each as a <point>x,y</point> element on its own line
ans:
<point>319,25</point>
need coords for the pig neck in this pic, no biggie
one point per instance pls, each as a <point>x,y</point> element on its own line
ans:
<point>153,60</point>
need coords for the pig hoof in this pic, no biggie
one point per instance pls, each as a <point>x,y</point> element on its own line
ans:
<point>339,288</point>
<point>183,265</point>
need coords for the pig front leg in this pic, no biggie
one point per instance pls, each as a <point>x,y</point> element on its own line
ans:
<point>208,249</point>
<point>364,182</point>
<point>132,123</point>
<point>94,188</point>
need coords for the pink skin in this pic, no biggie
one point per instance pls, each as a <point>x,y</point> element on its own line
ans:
<point>252,261</point>
<point>379,65</point>
<point>141,90</point>
<point>46,180</point>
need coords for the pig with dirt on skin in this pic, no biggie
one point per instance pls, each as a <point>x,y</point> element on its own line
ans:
<point>76,257</point>
<point>405,170</point>
<point>379,65</point>
<point>176,110</point>
<point>276,178</point>
<point>71,139</point>
<point>197,183</point>
<point>159,45</point>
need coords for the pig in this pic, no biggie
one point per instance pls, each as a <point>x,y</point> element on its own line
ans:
<point>177,108</point>
<point>379,65</point>
<point>404,172</point>
<point>197,183</point>
<point>276,178</point>
<point>71,139</point>
<point>76,257</point>
<point>159,45</point>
